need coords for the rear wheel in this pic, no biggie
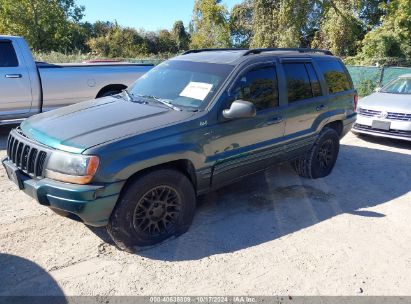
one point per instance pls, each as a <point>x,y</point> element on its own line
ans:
<point>320,160</point>
<point>154,207</point>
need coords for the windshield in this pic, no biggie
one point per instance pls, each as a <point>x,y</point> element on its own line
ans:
<point>181,83</point>
<point>398,86</point>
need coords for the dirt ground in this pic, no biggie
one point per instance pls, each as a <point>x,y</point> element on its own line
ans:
<point>271,234</point>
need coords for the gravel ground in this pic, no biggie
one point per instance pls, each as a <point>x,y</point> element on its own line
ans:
<point>271,234</point>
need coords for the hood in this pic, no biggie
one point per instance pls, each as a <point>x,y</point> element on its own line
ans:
<point>400,103</point>
<point>90,123</point>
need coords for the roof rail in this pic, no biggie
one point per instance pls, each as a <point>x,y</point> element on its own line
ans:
<point>212,50</point>
<point>300,50</point>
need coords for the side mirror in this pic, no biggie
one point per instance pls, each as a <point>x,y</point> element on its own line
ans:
<point>377,89</point>
<point>240,109</point>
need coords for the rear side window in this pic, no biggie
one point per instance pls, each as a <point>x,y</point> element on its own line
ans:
<point>335,76</point>
<point>298,82</point>
<point>8,56</point>
<point>259,86</point>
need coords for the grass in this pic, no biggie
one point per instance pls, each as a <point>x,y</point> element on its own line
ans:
<point>56,57</point>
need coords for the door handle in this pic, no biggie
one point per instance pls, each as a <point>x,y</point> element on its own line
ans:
<point>274,121</point>
<point>13,76</point>
<point>321,107</point>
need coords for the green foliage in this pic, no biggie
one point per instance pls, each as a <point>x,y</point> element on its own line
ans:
<point>366,32</point>
<point>46,25</point>
<point>113,41</point>
<point>264,23</point>
<point>393,38</point>
<point>340,28</point>
<point>166,42</point>
<point>372,11</point>
<point>180,36</point>
<point>292,17</point>
<point>284,23</point>
<point>241,24</point>
<point>56,57</point>
<point>366,87</point>
<point>210,25</point>
<point>118,42</point>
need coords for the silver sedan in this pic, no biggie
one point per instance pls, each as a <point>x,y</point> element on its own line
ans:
<point>387,113</point>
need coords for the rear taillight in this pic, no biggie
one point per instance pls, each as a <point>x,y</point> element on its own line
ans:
<point>355,102</point>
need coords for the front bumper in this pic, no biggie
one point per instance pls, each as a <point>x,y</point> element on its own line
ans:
<point>92,204</point>
<point>398,129</point>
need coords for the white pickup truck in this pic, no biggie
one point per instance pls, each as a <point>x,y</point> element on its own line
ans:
<point>28,87</point>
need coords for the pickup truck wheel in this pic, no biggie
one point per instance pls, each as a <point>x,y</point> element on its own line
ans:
<point>154,207</point>
<point>320,160</point>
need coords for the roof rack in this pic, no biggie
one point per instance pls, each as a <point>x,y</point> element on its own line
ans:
<point>300,50</point>
<point>212,50</point>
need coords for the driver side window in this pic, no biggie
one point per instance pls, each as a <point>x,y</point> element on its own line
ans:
<point>258,86</point>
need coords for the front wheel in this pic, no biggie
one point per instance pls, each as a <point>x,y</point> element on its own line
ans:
<point>320,160</point>
<point>152,208</point>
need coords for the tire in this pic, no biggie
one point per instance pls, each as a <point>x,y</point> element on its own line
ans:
<point>152,208</point>
<point>321,158</point>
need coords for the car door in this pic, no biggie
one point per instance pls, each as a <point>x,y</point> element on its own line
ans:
<point>306,103</point>
<point>243,146</point>
<point>15,87</point>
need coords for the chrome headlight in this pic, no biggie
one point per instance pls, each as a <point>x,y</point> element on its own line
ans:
<point>71,168</point>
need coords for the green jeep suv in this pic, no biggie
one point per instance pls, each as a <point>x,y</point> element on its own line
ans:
<point>135,162</point>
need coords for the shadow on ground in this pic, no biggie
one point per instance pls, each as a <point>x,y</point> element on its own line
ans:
<point>269,205</point>
<point>20,277</point>
<point>389,142</point>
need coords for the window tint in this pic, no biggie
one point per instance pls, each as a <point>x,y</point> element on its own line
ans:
<point>8,57</point>
<point>183,83</point>
<point>335,76</point>
<point>260,87</point>
<point>298,82</point>
<point>315,83</point>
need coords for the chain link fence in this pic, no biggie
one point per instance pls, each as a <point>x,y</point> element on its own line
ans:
<point>367,78</point>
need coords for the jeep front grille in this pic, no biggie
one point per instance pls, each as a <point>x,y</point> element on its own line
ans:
<point>27,156</point>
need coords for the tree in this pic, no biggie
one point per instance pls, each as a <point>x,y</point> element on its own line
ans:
<point>393,37</point>
<point>119,42</point>
<point>340,27</point>
<point>281,23</point>
<point>372,12</point>
<point>241,24</point>
<point>101,28</point>
<point>124,42</point>
<point>264,23</point>
<point>80,33</point>
<point>46,25</point>
<point>180,36</point>
<point>210,25</point>
<point>166,42</point>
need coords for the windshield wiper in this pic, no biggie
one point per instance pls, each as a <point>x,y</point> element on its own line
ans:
<point>161,100</point>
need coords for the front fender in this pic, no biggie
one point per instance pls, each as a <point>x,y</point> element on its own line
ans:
<point>120,165</point>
